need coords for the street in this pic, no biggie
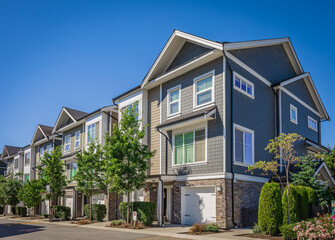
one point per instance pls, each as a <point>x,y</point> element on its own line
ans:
<point>13,229</point>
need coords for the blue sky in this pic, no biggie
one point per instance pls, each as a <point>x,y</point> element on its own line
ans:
<point>81,54</point>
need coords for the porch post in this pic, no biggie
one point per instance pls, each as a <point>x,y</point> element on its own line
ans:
<point>160,202</point>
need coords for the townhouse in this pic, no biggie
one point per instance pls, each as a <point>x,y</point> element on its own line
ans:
<point>211,108</point>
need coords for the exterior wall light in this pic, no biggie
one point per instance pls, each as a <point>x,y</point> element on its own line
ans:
<point>219,188</point>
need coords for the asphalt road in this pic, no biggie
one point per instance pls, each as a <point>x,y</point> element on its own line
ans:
<point>13,229</point>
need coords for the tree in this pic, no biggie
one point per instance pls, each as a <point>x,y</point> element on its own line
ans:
<point>329,158</point>
<point>13,187</point>
<point>90,176</point>
<point>282,147</point>
<point>305,177</point>
<point>31,193</point>
<point>52,171</point>
<point>126,157</point>
<point>3,192</point>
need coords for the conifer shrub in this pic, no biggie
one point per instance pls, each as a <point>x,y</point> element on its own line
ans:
<point>293,205</point>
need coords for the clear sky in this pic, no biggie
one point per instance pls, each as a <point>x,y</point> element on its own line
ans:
<point>81,54</point>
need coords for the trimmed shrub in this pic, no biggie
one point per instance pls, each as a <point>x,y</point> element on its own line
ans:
<point>211,227</point>
<point>1,209</point>
<point>270,209</point>
<point>311,195</point>
<point>293,198</point>
<point>145,211</point>
<point>287,231</point>
<point>116,222</point>
<point>20,211</point>
<point>98,212</point>
<point>303,202</point>
<point>45,215</point>
<point>62,212</point>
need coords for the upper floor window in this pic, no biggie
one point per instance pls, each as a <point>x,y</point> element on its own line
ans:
<point>135,105</point>
<point>293,114</point>
<point>190,147</point>
<point>77,140</point>
<point>49,147</point>
<point>312,123</point>
<point>243,145</point>
<point>243,85</point>
<point>72,168</point>
<point>174,101</point>
<point>91,130</point>
<point>204,89</point>
<point>41,151</point>
<point>27,158</point>
<point>67,143</point>
<point>16,163</point>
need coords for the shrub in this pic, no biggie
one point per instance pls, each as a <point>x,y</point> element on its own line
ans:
<point>62,212</point>
<point>20,211</point>
<point>257,229</point>
<point>211,227</point>
<point>269,212</point>
<point>1,209</point>
<point>98,211</point>
<point>197,228</point>
<point>303,202</point>
<point>287,231</point>
<point>311,195</point>
<point>116,222</point>
<point>45,215</point>
<point>145,211</point>
<point>293,205</point>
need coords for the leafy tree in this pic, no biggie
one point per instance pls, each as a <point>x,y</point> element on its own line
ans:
<point>3,192</point>
<point>305,177</point>
<point>282,147</point>
<point>126,157</point>
<point>329,158</point>
<point>90,176</point>
<point>13,187</point>
<point>53,173</point>
<point>31,193</point>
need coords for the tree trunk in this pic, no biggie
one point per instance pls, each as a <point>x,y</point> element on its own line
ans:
<point>128,207</point>
<point>287,191</point>
<point>50,209</point>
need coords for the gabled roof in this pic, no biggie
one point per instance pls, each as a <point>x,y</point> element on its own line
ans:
<point>9,150</point>
<point>68,115</point>
<point>76,114</point>
<point>41,132</point>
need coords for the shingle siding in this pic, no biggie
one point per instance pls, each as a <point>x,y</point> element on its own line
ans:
<point>271,62</point>
<point>300,89</point>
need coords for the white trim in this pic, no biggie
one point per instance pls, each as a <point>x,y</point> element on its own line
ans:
<point>197,79</point>
<point>224,122</point>
<point>75,140</point>
<point>296,114</point>
<point>327,170</point>
<point>243,65</point>
<point>257,43</point>
<point>160,121</point>
<point>244,129</point>
<point>65,144</point>
<point>291,80</point>
<point>199,40</point>
<point>168,103</point>
<point>280,125</point>
<point>63,110</point>
<point>313,120</point>
<point>243,79</point>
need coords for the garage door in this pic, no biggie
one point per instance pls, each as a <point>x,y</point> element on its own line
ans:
<point>198,205</point>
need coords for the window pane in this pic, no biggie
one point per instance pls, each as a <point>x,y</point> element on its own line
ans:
<point>188,141</point>
<point>178,149</point>
<point>248,148</point>
<point>249,89</point>
<point>237,82</point>
<point>244,86</point>
<point>293,114</point>
<point>174,96</point>
<point>200,146</point>
<point>238,145</point>
<point>174,107</point>
<point>77,136</point>
<point>204,97</point>
<point>204,84</point>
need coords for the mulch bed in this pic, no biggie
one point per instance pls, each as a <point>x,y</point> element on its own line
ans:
<point>263,236</point>
<point>204,233</point>
<point>130,226</point>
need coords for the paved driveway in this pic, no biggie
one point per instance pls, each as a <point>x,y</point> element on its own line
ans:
<point>13,229</point>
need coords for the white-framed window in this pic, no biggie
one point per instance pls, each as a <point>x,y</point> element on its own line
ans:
<point>27,158</point>
<point>136,108</point>
<point>174,100</point>
<point>67,141</point>
<point>16,163</point>
<point>72,168</point>
<point>293,114</point>
<point>312,123</point>
<point>203,89</point>
<point>190,147</point>
<point>41,151</point>
<point>77,140</point>
<point>49,147</point>
<point>243,145</point>
<point>91,130</point>
<point>243,85</point>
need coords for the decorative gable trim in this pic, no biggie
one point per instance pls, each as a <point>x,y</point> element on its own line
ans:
<point>59,117</point>
<point>324,165</point>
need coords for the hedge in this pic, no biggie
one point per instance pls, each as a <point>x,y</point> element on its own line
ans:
<point>270,209</point>
<point>145,211</point>
<point>98,211</point>
<point>20,211</point>
<point>293,205</point>
<point>311,196</point>
<point>1,209</point>
<point>287,231</point>
<point>303,202</point>
<point>62,212</point>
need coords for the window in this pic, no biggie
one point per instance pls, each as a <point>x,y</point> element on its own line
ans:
<point>312,123</point>
<point>190,147</point>
<point>77,140</point>
<point>174,101</point>
<point>243,85</point>
<point>49,147</point>
<point>135,105</point>
<point>293,114</point>
<point>72,167</point>
<point>91,132</point>
<point>16,163</point>
<point>204,89</point>
<point>244,146</point>
<point>41,151</point>
<point>67,143</point>
<point>27,158</point>
<point>26,177</point>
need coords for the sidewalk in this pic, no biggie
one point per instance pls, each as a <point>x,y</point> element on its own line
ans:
<point>175,231</point>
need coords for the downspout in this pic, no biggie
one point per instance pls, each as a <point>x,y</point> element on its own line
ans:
<point>232,138</point>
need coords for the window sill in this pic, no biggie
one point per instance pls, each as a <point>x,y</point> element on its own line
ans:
<point>245,93</point>
<point>295,122</point>
<point>190,164</point>
<point>315,130</point>
<point>203,106</point>
<point>242,164</point>
<point>174,115</point>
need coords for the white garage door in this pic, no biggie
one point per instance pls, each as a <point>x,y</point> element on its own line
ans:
<point>198,205</point>
<point>69,203</point>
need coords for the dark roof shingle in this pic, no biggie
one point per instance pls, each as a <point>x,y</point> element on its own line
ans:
<point>47,130</point>
<point>76,114</point>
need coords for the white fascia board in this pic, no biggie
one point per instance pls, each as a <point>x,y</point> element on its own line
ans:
<point>327,170</point>
<point>256,43</point>
<point>291,80</point>
<point>59,116</point>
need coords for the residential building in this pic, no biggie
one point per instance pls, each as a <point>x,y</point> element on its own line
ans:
<point>212,108</point>
<point>3,167</point>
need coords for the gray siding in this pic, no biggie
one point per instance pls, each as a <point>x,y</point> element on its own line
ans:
<point>215,127</point>
<point>257,114</point>
<point>271,62</point>
<point>300,89</point>
<point>187,53</point>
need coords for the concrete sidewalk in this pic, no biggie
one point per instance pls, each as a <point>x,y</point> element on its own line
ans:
<point>175,231</point>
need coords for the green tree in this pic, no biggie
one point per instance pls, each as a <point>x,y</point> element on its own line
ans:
<point>90,176</point>
<point>282,147</point>
<point>329,158</point>
<point>126,157</point>
<point>13,187</point>
<point>3,192</point>
<point>31,193</point>
<point>53,173</point>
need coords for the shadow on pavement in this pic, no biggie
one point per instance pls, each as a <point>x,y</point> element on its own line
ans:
<point>13,229</point>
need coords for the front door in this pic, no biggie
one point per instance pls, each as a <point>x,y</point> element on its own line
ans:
<point>167,200</point>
